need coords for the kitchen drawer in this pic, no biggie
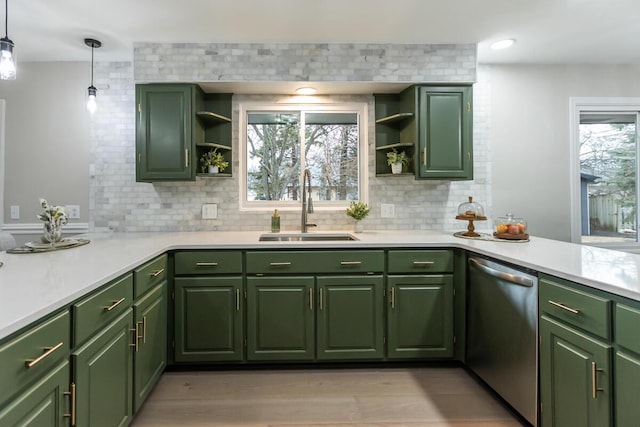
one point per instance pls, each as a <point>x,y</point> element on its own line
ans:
<point>272,262</point>
<point>208,262</point>
<point>101,307</point>
<point>149,275</point>
<point>586,311</point>
<point>42,347</point>
<point>626,327</point>
<point>421,261</point>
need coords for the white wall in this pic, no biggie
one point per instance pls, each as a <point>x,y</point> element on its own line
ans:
<point>530,136</point>
<point>46,139</point>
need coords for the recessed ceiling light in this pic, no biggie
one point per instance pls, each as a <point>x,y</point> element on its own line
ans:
<point>502,44</point>
<point>306,90</point>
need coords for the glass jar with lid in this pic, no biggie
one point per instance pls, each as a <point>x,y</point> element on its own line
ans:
<point>511,227</point>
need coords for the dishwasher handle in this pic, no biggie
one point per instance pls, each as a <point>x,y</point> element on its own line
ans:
<point>503,275</point>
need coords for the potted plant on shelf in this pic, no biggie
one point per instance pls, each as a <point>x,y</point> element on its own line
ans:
<point>397,160</point>
<point>358,211</point>
<point>213,161</point>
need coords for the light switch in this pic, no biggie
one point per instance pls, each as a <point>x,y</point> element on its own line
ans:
<point>209,211</point>
<point>15,212</point>
<point>387,210</point>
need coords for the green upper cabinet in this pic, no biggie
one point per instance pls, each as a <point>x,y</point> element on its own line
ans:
<point>165,127</point>
<point>350,317</point>
<point>433,125</point>
<point>445,133</point>
<point>175,125</point>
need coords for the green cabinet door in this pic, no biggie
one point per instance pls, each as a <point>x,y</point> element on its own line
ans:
<point>350,318</point>
<point>575,377</point>
<point>150,359</point>
<point>43,404</point>
<point>165,120</point>
<point>280,318</point>
<point>627,390</point>
<point>208,319</point>
<point>420,316</point>
<point>445,133</point>
<point>103,374</point>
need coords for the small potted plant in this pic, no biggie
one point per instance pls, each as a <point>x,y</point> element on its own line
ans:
<point>54,217</point>
<point>358,211</point>
<point>396,160</point>
<point>213,161</point>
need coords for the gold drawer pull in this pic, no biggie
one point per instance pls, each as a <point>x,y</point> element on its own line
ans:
<point>310,299</point>
<point>237,299</point>
<point>206,264</point>
<point>279,264</point>
<point>393,297</point>
<point>321,302</point>
<point>157,273</point>
<point>564,307</point>
<point>594,382</point>
<point>423,263</point>
<point>47,352</point>
<point>350,262</point>
<point>72,397</point>
<point>115,304</point>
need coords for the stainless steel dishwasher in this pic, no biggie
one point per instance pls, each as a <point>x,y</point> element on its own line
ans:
<point>502,332</point>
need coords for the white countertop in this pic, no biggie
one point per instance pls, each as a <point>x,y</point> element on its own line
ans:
<point>34,285</point>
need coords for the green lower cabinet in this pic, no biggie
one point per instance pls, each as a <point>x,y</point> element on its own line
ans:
<point>208,319</point>
<point>627,390</point>
<point>575,377</point>
<point>43,404</point>
<point>150,358</point>
<point>350,318</point>
<point>420,317</point>
<point>103,374</point>
<point>280,318</point>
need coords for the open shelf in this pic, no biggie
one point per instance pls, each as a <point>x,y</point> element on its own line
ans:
<point>213,175</point>
<point>394,118</point>
<point>396,145</point>
<point>213,145</point>
<point>211,117</point>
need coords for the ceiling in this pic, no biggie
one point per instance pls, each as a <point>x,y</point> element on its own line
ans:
<point>547,31</point>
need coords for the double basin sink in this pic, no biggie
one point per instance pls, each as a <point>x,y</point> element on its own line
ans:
<point>306,237</point>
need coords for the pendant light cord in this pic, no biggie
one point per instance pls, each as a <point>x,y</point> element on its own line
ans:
<point>6,19</point>
<point>92,65</point>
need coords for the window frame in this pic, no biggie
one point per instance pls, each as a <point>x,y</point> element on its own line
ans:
<point>577,106</point>
<point>359,108</point>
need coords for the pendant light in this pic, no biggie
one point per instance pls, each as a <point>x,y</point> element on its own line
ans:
<point>7,59</point>
<point>91,100</point>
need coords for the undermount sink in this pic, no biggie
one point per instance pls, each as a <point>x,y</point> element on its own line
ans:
<point>304,237</point>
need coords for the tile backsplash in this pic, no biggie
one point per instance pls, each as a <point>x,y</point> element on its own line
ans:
<point>119,203</point>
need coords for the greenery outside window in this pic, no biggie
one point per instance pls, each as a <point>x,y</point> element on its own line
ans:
<point>279,141</point>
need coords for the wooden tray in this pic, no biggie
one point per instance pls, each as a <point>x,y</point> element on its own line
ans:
<point>507,236</point>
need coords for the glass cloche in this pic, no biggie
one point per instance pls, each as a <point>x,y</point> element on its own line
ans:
<point>510,227</point>
<point>471,210</point>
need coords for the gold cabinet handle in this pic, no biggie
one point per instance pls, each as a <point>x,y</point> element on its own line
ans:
<point>350,263</point>
<point>72,403</point>
<point>393,297</point>
<point>30,363</point>
<point>423,263</point>
<point>594,381</point>
<point>279,264</point>
<point>144,329</point>
<point>237,299</point>
<point>206,264</point>
<point>186,157</point>
<point>115,304</point>
<point>424,156</point>
<point>157,273</point>
<point>321,300</point>
<point>310,299</point>
<point>136,337</point>
<point>564,307</point>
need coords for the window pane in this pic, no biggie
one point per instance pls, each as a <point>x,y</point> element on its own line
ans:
<point>331,154</point>
<point>273,156</point>
<point>608,170</point>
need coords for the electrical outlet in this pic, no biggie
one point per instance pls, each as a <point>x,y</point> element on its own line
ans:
<point>73,211</point>
<point>387,210</point>
<point>15,212</point>
<point>209,211</point>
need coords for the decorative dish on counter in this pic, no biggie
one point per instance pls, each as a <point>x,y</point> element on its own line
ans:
<point>510,228</point>
<point>471,211</point>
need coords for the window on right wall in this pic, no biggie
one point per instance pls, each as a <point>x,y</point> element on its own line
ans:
<point>606,168</point>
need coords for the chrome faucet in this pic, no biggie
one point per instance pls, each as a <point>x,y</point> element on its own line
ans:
<point>307,204</point>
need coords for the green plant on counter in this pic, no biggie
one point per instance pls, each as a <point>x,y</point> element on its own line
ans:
<point>213,158</point>
<point>358,210</point>
<point>393,157</point>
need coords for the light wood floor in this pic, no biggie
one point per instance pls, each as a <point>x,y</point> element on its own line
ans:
<point>386,397</point>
